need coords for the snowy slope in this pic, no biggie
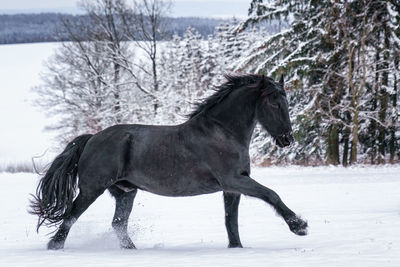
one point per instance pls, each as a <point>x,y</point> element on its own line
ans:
<point>354,218</point>
<point>22,135</point>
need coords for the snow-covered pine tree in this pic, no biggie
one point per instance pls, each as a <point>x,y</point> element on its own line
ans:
<point>172,82</point>
<point>326,56</point>
<point>233,45</point>
<point>225,40</point>
<point>367,43</point>
<point>188,67</point>
<point>210,69</point>
<point>292,53</point>
<point>382,106</point>
<point>393,8</point>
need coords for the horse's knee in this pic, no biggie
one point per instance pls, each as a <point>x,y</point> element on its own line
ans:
<point>247,186</point>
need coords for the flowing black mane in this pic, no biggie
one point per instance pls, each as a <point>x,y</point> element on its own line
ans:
<point>233,82</point>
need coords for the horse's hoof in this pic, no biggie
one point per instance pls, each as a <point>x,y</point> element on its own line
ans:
<point>132,246</point>
<point>236,245</point>
<point>298,226</point>
<point>127,244</point>
<point>54,245</point>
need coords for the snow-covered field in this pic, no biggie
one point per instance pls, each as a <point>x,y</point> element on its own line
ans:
<point>353,213</point>
<point>22,135</point>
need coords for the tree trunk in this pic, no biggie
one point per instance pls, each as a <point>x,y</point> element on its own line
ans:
<point>356,90</point>
<point>384,98</point>
<point>354,141</point>
<point>117,103</point>
<point>346,140</point>
<point>372,128</point>
<point>333,145</point>
<point>393,141</point>
<point>155,79</point>
<point>345,160</point>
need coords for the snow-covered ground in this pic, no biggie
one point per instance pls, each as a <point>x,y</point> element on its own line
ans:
<point>353,213</point>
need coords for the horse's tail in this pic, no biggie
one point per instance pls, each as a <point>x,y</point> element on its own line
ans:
<point>56,189</point>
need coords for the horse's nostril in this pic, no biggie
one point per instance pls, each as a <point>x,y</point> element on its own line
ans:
<point>286,140</point>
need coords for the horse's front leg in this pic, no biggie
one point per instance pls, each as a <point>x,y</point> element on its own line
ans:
<point>245,185</point>
<point>231,204</point>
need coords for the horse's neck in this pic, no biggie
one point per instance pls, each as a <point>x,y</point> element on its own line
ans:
<point>236,114</point>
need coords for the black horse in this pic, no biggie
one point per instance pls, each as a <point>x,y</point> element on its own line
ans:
<point>206,154</point>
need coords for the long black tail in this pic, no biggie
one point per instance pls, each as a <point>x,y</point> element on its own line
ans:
<point>56,189</point>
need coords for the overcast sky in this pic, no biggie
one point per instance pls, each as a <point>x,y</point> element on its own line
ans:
<point>201,8</point>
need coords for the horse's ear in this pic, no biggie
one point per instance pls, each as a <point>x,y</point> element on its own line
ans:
<point>281,81</point>
<point>263,81</point>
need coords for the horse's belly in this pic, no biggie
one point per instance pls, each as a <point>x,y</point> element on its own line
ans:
<point>171,170</point>
<point>177,186</point>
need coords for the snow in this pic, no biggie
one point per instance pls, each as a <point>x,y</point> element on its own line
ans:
<point>353,213</point>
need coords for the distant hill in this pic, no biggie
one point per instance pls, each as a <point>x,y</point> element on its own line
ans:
<point>32,28</point>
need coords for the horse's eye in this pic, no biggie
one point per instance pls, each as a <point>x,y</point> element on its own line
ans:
<point>273,105</point>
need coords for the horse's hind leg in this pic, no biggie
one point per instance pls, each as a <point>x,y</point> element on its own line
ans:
<point>123,208</point>
<point>84,199</point>
<point>247,186</point>
<point>231,204</point>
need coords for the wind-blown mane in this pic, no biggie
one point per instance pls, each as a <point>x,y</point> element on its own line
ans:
<point>233,82</point>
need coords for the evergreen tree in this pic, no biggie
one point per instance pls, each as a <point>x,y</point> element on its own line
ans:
<point>188,69</point>
<point>326,56</point>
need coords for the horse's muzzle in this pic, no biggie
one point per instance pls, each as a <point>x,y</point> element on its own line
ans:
<point>285,139</point>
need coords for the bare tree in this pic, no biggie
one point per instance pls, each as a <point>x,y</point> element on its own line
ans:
<point>91,83</point>
<point>145,23</point>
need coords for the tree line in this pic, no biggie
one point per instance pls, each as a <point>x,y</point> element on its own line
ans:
<point>340,60</point>
<point>47,27</point>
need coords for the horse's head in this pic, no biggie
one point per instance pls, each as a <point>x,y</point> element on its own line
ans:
<point>272,111</point>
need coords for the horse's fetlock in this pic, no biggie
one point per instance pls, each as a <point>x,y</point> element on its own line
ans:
<point>235,245</point>
<point>116,225</point>
<point>126,243</point>
<point>55,244</point>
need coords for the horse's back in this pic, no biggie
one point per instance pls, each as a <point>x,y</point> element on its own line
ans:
<point>113,146</point>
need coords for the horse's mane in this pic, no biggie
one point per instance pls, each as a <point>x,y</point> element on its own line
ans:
<point>222,91</point>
